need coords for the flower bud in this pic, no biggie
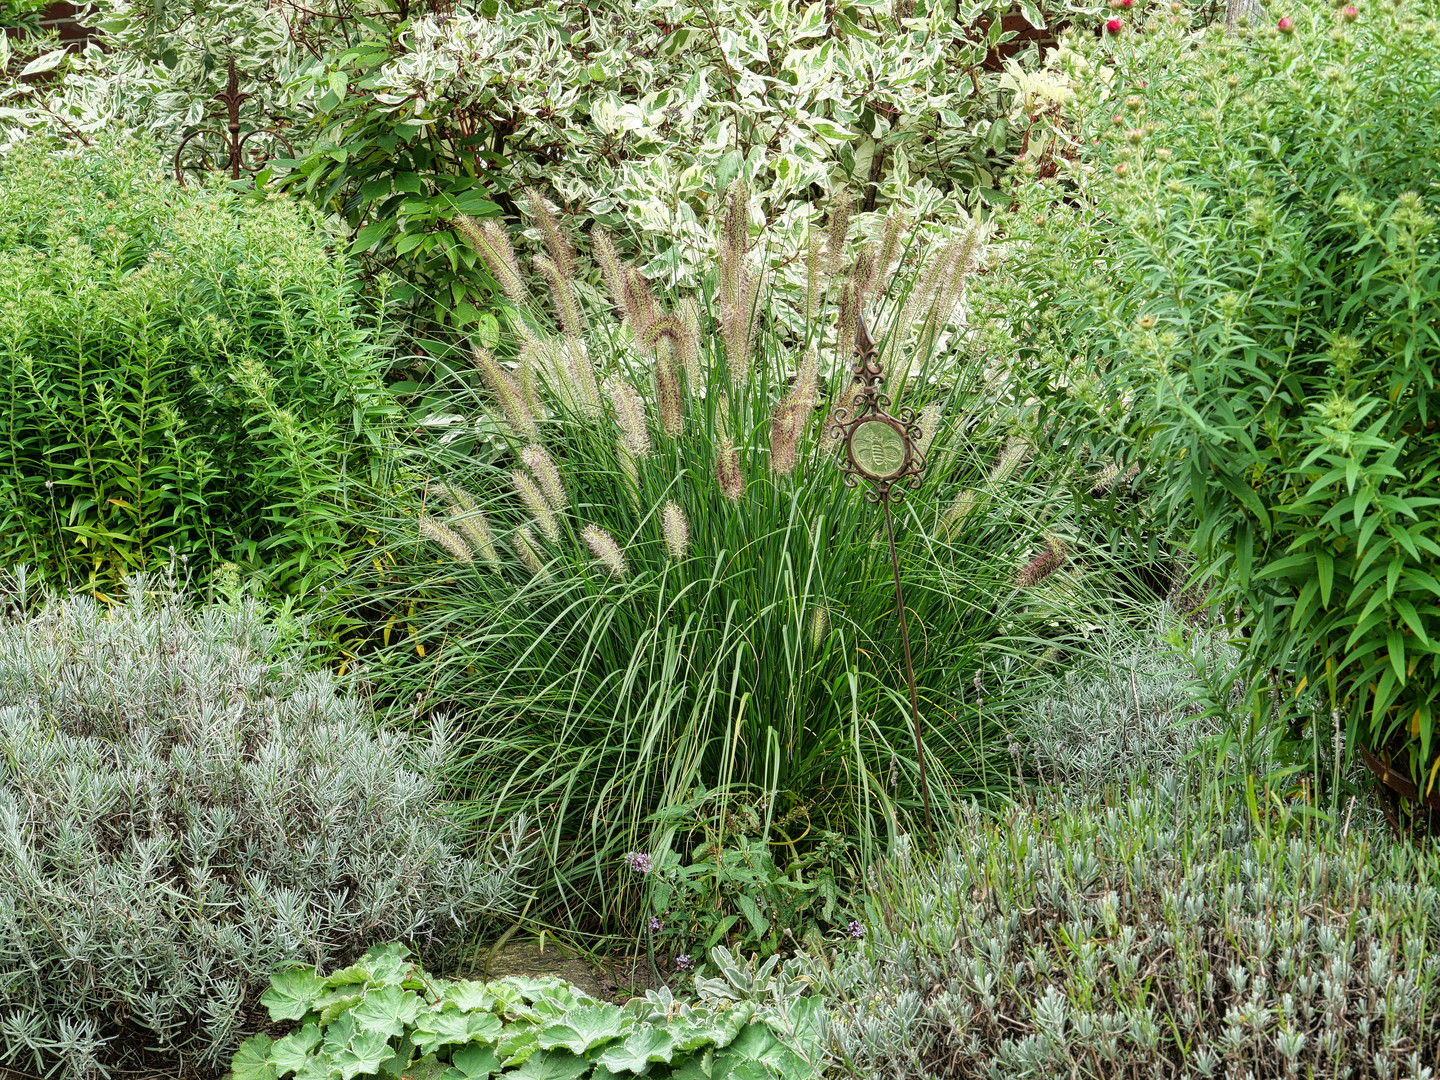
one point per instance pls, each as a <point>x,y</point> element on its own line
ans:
<point>1350,13</point>
<point>1286,26</point>
<point>1114,26</point>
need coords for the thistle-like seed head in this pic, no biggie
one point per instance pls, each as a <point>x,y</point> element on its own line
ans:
<point>603,546</point>
<point>630,416</point>
<point>547,475</point>
<point>676,529</point>
<point>535,503</point>
<point>727,471</point>
<point>493,246</point>
<point>447,538</point>
<point>1051,559</point>
<point>561,254</point>
<point>529,554</point>
<point>511,395</point>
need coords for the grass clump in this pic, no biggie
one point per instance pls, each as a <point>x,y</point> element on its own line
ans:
<point>1162,929</point>
<point>658,584</point>
<point>182,807</point>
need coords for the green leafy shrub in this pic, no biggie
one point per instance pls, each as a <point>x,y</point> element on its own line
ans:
<point>183,376</point>
<point>655,580</point>
<point>1237,282</point>
<point>385,1016</point>
<point>637,115</point>
<point>1157,932</point>
<point>714,877</point>
<point>182,807</point>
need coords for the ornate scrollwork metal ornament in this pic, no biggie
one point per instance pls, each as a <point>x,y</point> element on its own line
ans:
<point>207,149</point>
<point>883,449</point>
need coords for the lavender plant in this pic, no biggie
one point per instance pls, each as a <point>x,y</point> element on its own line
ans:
<point>1161,930</point>
<point>182,807</point>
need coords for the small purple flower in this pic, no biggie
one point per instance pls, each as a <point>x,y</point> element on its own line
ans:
<point>856,930</point>
<point>655,924</point>
<point>684,963</point>
<point>639,862</point>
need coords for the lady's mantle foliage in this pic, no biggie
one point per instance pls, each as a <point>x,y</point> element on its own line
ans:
<point>386,1016</point>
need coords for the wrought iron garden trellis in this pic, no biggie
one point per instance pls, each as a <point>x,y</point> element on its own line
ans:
<point>883,449</point>
<point>231,157</point>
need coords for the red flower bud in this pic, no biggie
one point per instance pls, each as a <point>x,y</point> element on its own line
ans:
<point>1114,26</point>
<point>1127,3</point>
<point>1351,13</point>
<point>1286,26</point>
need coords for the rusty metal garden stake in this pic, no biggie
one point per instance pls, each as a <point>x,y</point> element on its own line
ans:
<point>883,450</point>
<point>233,155</point>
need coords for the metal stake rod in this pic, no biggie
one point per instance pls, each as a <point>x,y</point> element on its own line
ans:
<point>883,450</point>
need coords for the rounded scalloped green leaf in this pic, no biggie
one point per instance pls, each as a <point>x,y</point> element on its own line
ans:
<point>388,1010</point>
<point>551,1065</point>
<point>291,993</point>
<point>252,1060</point>
<point>469,995</point>
<point>436,1029</point>
<point>516,1045</point>
<point>364,1055</point>
<point>643,1047</point>
<point>291,1053</point>
<point>585,1028</point>
<point>473,1063</point>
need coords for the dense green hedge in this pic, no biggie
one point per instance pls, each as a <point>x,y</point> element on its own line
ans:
<point>182,374</point>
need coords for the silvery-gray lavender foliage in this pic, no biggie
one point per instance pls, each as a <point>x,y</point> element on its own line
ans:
<point>1128,710</point>
<point>182,807</point>
<point>1154,934</point>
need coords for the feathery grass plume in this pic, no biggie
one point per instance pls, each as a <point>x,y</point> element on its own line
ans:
<point>470,522</point>
<point>561,253</point>
<point>447,538</point>
<point>734,243</point>
<point>603,547</point>
<point>689,354</point>
<point>865,274</point>
<point>630,416</point>
<point>956,513</point>
<point>737,328</point>
<point>473,526</point>
<point>577,364</point>
<point>965,257</point>
<point>1049,560</point>
<point>562,291</point>
<point>676,529</point>
<point>662,338</point>
<point>640,306</point>
<point>896,225</point>
<point>1011,457</point>
<point>727,471</point>
<point>612,272</point>
<point>792,416</point>
<point>1105,481</point>
<point>526,549</point>
<point>814,286</point>
<point>929,422</point>
<point>846,322</point>
<point>838,227</point>
<point>510,393</point>
<point>546,475</point>
<point>534,500</point>
<point>819,626</point>
<point>492,244</point>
